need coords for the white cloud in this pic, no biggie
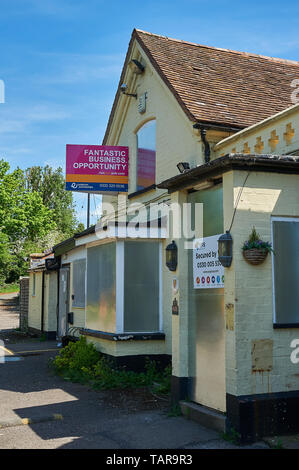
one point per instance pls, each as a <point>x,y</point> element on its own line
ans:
<point>16,150</point>
<point>9,126</point>
<point>26,117</point>
<point>55,163</point>
<point>79,68</point>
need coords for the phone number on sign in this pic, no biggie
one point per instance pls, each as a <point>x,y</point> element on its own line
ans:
<point>208,264</point>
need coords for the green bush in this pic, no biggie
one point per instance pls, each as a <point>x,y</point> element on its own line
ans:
<point>75,359</point>
<point>81,362</point>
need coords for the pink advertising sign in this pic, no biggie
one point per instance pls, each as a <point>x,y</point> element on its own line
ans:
<point>97,168</point>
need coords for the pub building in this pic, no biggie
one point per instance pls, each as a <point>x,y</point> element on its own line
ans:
<point>203,126</point>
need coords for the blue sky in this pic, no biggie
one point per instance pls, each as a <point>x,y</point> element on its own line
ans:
<point>61,61</point>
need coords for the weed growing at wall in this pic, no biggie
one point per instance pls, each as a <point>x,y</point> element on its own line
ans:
<point>81,362</point>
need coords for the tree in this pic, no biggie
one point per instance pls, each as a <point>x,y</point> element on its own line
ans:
<point>24,220</point>
<point>36,213</point>
<point>6,259</point>
<point>22,213</point>
<point>50,185</point>
<point>80,227</point>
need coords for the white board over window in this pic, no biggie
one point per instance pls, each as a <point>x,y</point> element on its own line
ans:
<point>208,273</point>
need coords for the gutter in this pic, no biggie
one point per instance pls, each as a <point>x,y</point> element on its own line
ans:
<point>87,231</point>
<point>215,168</point>
<point>248,130</point>
<point>214,126</point>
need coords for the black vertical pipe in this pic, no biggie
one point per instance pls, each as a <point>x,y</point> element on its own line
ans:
<point>88,209</point>
<point>43,301</point>
<point>57,305</point>
<point>203,134</point>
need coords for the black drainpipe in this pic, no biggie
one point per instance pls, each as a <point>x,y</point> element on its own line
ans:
<point>57,305</point>
<point>43,301</point>
<point>203,135</point>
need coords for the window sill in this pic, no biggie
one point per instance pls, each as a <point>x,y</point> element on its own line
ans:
<point>122,336</point>
<point>277,326</point>
<point>142,191</point>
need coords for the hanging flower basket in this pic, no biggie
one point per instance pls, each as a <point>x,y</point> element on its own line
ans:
<point>255,250</point>
<point>255,255</point>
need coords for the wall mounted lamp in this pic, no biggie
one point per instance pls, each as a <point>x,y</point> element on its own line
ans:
<point>183,166</point>
<point>172,256</point>
<point>123,89</point>
<point>136,66</point>
<point>225,249</point>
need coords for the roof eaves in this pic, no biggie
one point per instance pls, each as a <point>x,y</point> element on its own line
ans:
<point>117,94</point>
<point>64,246</point>
<point>85,232</point>
<point>214,168</point>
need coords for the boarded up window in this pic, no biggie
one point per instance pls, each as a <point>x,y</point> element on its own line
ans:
<point>101,287</point>
<point>141,285</point>
<point>79,268</point>
<point>286,271</point>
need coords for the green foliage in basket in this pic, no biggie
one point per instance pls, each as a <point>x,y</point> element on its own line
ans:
<point>254,241</point>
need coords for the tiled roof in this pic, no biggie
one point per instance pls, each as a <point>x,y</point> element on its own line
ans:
<point>219,86</point>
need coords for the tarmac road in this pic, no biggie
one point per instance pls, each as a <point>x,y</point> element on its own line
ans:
<point>39,410</point>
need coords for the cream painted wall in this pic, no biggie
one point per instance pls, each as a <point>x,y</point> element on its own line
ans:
<point>35,301</point>
<point>278,135</point>
<point>50,309</point>
<point>248,289</point>
<point>127,348</point>
<point>176,141</point>
<point>50,301</point>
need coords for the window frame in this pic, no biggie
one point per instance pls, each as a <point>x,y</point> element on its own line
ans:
<point>120,286</point>
<point>153,185</point>
<point>33,294</point>
<point>277,325</point>
<point>74,305</point>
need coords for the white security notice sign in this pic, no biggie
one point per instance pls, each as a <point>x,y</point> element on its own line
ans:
<point>208,272</point>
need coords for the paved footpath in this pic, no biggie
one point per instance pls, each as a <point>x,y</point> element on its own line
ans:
<point>9,315</point>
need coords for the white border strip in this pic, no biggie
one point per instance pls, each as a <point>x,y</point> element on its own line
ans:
<point>277,219</point>
<point>120,272</point>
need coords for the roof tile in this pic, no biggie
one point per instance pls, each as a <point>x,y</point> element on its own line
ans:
<point>219,85</point>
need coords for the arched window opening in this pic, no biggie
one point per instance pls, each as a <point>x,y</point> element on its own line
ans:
<point>146,155</point>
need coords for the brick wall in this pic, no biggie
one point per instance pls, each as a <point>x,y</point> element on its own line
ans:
<point>24,302</point>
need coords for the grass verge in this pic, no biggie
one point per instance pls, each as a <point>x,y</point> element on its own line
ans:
<point>8,288</point>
